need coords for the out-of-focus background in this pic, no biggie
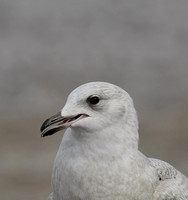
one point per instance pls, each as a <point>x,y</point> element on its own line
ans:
<point>47,48</point>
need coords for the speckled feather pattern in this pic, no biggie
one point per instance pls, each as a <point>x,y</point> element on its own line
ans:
<point>98,158</point>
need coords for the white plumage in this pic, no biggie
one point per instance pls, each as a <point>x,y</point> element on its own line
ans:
<point>98,158</point>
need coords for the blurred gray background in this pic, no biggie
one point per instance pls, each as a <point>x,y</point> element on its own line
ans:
<point>47,48</point>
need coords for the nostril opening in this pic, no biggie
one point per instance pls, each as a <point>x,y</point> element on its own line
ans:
<point>76,117</point>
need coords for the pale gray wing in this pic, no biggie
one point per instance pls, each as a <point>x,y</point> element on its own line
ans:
<point>172,184</point>
<point>50,197</point>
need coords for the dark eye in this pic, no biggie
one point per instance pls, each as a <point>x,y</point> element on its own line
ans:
<point>93,100</point>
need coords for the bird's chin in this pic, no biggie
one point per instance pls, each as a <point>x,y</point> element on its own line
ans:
<point>88,125</point>
<point>57,123</point>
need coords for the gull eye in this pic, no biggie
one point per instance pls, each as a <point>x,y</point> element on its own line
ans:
<point>93,100</point>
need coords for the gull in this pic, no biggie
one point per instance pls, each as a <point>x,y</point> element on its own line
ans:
<point>98,158</point>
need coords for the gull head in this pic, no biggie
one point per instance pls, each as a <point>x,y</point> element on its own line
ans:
<point>93,107</point>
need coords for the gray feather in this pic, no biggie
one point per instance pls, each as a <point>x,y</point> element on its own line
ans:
<point>172,185</point>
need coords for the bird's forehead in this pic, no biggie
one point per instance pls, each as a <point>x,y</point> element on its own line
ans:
<point>96,88</point>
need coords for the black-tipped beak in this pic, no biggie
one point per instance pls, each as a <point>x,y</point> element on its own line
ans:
<point>57,123</point>
<point>51,125</point>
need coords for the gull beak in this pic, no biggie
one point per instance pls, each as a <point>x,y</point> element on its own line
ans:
<point>58,122</point>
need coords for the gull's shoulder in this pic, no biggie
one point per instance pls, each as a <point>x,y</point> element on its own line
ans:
<point>172,185</point>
